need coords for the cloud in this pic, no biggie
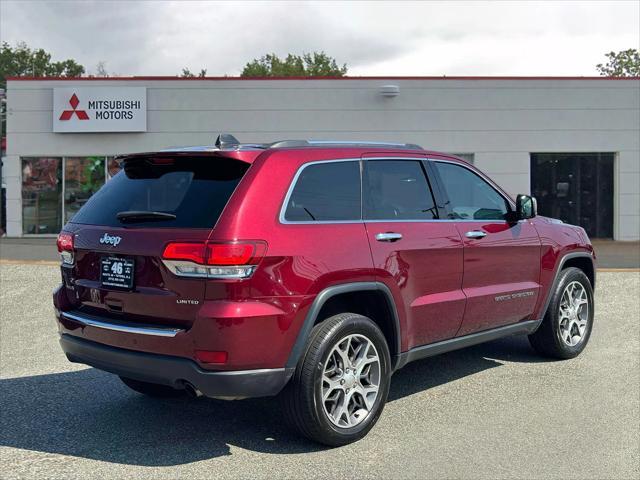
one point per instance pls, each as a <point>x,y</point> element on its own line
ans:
<point>373,38</point>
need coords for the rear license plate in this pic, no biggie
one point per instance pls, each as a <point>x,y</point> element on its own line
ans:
<point>117,272</point>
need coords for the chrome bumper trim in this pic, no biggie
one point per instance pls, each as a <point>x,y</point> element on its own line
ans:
<point>91,321</point>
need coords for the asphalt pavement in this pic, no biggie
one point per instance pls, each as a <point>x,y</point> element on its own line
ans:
<point>491,411</point>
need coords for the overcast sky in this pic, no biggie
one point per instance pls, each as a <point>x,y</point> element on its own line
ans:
<point>372,38</point>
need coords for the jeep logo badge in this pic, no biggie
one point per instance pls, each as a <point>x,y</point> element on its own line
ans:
<point>109,240</point>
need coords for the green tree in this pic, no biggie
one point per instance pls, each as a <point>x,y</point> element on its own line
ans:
<point>186,73</point>
<point>316,64</point>
<point>625,63</point>
<point>22,61</point>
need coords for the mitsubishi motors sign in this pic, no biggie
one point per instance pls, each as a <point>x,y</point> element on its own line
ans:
<point>100,109</point>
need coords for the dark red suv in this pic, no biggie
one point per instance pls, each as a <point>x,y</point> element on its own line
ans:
<point>313,270</point>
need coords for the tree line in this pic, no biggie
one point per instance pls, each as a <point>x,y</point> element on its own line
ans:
<point>22,61</point>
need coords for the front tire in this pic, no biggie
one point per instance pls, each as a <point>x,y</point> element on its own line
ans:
<point>566,327</point>
<point>341,383</point>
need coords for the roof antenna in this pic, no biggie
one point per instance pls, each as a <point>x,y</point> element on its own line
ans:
<point>225,140</point>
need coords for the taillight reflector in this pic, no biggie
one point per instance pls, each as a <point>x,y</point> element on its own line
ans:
<point>206,356</point>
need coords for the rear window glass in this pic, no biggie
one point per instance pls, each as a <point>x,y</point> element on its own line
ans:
<point>326,192</point>
<point>194,190</point>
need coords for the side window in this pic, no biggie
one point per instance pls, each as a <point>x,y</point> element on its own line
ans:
<point>470,196</point>
<point>397,190</point>
<point>326,192</point>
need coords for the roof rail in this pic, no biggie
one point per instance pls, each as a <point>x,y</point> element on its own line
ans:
<point>341,143</point>
<point>226,141</point>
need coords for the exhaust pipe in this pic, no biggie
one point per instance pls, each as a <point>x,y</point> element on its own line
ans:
<point>192,391</point>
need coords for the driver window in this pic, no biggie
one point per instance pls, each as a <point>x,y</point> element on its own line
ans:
<point>470,196</point>
<point>397,190</point>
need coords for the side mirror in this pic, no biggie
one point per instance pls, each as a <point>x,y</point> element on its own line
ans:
<point>526,207</point>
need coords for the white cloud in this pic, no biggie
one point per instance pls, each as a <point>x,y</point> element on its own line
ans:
<point>373,38</point>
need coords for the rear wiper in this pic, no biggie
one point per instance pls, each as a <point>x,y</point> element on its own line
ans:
<point>143,216</point>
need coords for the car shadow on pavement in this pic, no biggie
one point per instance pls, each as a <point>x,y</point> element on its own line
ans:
<point>430,372</point>
<point>91,414</point>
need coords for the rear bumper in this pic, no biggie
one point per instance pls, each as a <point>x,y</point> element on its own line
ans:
<point>256,334</point>
<point>175,371</point>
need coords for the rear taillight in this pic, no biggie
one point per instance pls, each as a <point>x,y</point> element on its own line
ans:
<point>192,252</point>
<point>214,260</point>
<point>230,253</point>
<point>65,247</point>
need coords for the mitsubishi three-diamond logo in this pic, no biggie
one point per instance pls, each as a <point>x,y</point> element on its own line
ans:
<point>109,109</point>
<point>67,114</point>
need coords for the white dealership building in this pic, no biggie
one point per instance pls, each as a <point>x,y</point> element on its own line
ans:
<point>572,142</point>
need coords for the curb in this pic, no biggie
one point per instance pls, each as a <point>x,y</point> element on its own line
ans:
<point>5,261</point>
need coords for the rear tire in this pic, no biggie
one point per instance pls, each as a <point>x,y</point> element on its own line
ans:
<point>567,324</point>
<point>341,382</point>
<point>152,389</point>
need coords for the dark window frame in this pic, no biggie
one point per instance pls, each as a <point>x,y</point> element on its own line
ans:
<point>589,200</point>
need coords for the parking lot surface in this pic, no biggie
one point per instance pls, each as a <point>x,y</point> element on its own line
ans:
<point>491,411</point>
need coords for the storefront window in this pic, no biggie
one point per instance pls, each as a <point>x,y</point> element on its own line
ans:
<point>41,195</point>
<point>46,180</point>
<point>83,176</point>
<point>113,167</point>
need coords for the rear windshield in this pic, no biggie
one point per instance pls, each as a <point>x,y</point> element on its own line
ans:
<point>194,190</point>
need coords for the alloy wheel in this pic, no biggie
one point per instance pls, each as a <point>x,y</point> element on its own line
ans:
<point>574,314</point>
<point>350,381</point>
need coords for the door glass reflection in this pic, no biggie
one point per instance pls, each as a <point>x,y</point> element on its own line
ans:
<point>83,177</point>
<point>41,195</point>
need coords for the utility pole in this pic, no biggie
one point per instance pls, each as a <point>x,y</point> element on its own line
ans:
<point>2,137</point>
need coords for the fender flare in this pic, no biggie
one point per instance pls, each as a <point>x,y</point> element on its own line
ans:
<point>556,277</point>
<point>321,299</point>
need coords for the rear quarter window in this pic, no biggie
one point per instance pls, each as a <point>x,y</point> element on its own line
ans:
<point>194,190</point>
<point>327,191</point>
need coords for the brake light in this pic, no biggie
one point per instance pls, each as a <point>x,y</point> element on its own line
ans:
<point>214,260</point>
<point>65,247</point>
<point>162,161</point>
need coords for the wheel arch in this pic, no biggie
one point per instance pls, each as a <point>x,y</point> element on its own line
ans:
<point>584,263</point>
<point>334,296</point>
<point>582,260</point>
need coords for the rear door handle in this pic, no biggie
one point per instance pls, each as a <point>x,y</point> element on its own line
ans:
<point>388,237</point>
<point>475,234</point>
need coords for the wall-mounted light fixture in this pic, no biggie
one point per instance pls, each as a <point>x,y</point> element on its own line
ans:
<point>390,90</point>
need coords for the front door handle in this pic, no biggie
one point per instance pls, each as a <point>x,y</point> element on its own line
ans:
<point>388,237</point>
<point>475,234</point>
